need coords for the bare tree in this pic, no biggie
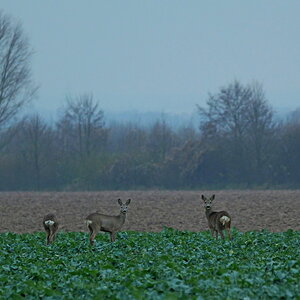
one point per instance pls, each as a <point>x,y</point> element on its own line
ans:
<point>225,112</point>
<point>294,116</point>
<point>16,87</point>
<point>31,154</point>
<point>82,127</point>
<point>132,138</point>
<point>239,120</point>
<point>260,129</point>
<point>225,118</point>
<point>160,139</point>
<point>37,139</point>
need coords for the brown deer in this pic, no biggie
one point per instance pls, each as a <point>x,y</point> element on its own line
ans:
<point>51,226</point>
<point>217,220</point>
<point>98,222</point>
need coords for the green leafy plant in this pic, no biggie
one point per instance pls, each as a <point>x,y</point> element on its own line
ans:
<point>170,264</point>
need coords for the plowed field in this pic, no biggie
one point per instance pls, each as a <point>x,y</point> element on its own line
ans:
<point>151,210</point>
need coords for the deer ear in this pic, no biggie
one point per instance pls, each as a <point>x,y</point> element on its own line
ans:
<point>202,197</point>
<point>212,197</point>
<point>128,201</point>
<point>120,201</point>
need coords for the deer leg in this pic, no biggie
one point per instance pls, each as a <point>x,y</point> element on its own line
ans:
<point>93,233</point>
<point>51,235</point>
<point>47,235</point>
<point>222,235</point>
<point>50,238</point>
<point>92,237</point>
<point>212,232</point>
<point>90,229</point>
<point>228,232</point>
<point>216,231</point>
<point>112,236</point>
<point>55,231</point>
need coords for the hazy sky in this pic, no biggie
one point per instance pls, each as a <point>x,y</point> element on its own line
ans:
<point>163,56</point>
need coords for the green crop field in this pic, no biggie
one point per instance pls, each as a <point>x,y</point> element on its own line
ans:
<point>167,265</point>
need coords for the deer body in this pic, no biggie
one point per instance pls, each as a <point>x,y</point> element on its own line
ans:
<point>98,222</point>
<point>50,224</point>
<point>218,221</point>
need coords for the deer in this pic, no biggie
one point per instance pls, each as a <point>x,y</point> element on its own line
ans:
<point>51,226</point>
<point>217,220</point>
<point>112,224</point>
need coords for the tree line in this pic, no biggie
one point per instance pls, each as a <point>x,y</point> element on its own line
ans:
<point>239,142</point>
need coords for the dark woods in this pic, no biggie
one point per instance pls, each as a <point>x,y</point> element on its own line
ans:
<point>238,144</point>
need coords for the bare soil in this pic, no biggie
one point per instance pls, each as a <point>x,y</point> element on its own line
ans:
<point>151,210</point>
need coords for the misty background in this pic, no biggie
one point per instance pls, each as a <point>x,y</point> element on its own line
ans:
<point>135,94</point>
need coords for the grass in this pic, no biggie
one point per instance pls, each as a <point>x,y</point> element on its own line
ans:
<point>170,264</point>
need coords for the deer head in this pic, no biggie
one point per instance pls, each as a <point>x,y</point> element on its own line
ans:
<point>124,206</point>
<point>208,201</point>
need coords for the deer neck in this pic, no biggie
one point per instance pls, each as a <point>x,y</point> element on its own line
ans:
<point>122,217</point>
<point>208,212</point>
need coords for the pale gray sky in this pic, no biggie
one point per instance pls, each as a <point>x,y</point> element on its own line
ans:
<point>160,56</point>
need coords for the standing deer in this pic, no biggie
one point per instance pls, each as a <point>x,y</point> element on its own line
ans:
<point>217,220</point>
<point>51,226</point>
<point>98,222</point>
